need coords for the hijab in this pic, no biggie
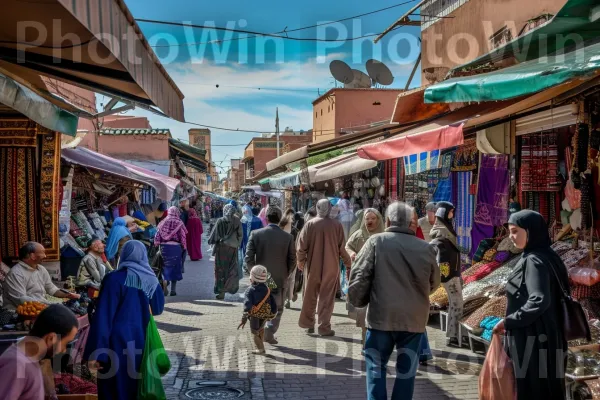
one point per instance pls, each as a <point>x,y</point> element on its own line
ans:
<point>192,213</point>
<point>247,214</point>
<point>378,229</point>
<point>228,210</point>
<point>357,224</point>
<point>140,275</point>
<point>226,226</point>
<point>171,225</point>
<point>442,215</point>
<point>323,208</point>
<point>117,232</point>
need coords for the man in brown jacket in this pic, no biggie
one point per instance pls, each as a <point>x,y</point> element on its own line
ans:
<point>321,244</point>
<point>394,274</point>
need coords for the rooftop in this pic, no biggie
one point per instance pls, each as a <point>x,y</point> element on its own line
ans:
<point>341,89</point>
<point>132,131</point>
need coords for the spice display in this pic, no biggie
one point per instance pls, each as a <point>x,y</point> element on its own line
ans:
<point>494,307</point>
<point>473,304</point>
<point>439,298</point>
<point>483,272</point>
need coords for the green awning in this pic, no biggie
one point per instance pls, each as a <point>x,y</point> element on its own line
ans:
<point>24,100</point>
<point>190,155</point>
<point>522,79</point>
<point>577,20</point>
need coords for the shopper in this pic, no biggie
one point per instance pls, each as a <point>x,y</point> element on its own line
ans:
<point>448,257</point>
<point>92,267</point>
<point>274,249</point>
<point>259,306</point>
<point>118,235</point>
<point>250,223</point>
<point>372,224</point>
<point>171,236</point>
<point>194,235</point>
<point>533,325</point>
<point>117,333</point>
<point>394,274</point>
<point>346,214</point>
<point>53,330</point>
<point>226,238</point>
<point>288,224</point>
<point>426,223</point>
<point>321,244</point>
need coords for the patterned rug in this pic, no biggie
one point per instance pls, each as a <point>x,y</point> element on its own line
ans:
<point>49,190</point>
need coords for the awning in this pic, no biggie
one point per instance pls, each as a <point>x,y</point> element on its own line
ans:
<point>347,164</point>
<point>411,107</point>
<point>575,19</point>
<point>189,155</point>
<point>164,185</point>
<point>287,158</point>
<point>110,55</point>
<point>36,108</point>
<point>522,79</point>
<point>286,180</point>
<point>259,192</point>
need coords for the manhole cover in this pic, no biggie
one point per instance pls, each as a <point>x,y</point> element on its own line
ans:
<point>214,393</point>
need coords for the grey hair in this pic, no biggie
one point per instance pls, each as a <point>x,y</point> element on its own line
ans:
<point>399,214</point>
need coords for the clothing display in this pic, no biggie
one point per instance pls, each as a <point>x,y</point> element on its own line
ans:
<point>464,202</point>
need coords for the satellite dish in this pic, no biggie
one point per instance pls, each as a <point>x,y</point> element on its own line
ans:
<point>341,71</point>
<point>379,72</point>
<point>360,81</point>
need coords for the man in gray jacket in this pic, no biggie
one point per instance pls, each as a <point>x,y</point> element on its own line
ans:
<point>394,274</point>
<point>273,248</point>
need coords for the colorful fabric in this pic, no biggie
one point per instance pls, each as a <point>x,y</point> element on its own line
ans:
<point>539,163</point>
<point>464,202</point>
<point>173,258</point>
<point>117,232</point>
<point>422,162</point>
<point>171,229</point>
<point>140,275</point>
<point>194,236</point>
<point>49,192</point>
<point>465,157</point>
<point>19,216</point>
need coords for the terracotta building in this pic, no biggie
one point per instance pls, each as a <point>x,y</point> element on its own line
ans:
<point>340,110</point>
<point>207,181</point>
<point>236,175</point>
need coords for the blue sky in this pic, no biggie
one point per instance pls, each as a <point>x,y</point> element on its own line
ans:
<point>237,64</point>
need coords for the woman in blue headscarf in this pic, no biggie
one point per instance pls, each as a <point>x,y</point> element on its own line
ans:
<point>249,223</point>
<point>117,237</point>
<point>118,327</point>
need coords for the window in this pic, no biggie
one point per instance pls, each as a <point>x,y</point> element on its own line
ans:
<point>328,108</point>
<point>321,112</point>
<point>316,114</point>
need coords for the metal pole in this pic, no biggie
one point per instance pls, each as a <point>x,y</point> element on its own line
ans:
<point>412,74</point>
<point>277,128</point>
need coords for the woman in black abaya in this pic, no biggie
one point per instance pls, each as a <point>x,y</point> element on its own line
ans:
<point>533,323</point>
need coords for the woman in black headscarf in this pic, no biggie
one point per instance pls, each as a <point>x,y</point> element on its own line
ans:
<point>443,238</point>
<point>535,338</point>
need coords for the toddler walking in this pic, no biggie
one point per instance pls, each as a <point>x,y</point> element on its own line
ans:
<point>259,307</point>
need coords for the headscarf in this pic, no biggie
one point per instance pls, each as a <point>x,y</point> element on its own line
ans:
<point>380,226</point>
<point>192,213</point>
<point>140,275</point>
<point>263,216</point>
<point>359,219</point>
<point>247,214</point>
<point>117,232</point>
<point>171,225</point>
<point>228,210</point>
<point>442,213</point>
<point>323,208</point>
<point>226,226</point>
<point>538,237</point>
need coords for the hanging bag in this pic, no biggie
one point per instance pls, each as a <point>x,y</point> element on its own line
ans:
<point>155,364</point>
<point>263,309</point>
<point>497,377</point>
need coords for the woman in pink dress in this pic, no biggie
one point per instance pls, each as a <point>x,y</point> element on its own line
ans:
<point>194,236</point>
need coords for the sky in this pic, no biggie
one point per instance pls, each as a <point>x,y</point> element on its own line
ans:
<point>241,63</point>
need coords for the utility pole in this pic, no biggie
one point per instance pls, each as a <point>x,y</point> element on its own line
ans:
<point>277,128</point>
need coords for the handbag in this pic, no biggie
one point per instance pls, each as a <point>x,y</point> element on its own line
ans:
<point>575,324</point>
<point>263,309</point>
<point>497,378</point>
<point>155,363</point>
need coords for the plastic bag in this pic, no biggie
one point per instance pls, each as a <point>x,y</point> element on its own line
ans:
<point>155,363</point>
<point>497,378</point>
<point>584,276</point>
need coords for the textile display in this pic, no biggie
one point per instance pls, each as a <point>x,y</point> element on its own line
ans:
<point>464,203</point>
<point>465,157</point>
<point>422,162</point>
<point>148,195</point>
<point>49,191</point>
<point>539,163</point>
<point>546,203</point>
<point>443,191</point>
<point>492,197</point>
<point>18,200</point>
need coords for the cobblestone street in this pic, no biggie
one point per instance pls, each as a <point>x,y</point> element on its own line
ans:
<point>212,360</point>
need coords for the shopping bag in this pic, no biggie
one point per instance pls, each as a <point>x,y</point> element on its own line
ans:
<point>155,364</point>
<point>497,377</point>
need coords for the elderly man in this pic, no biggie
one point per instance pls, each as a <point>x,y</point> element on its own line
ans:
<point>394,274</point>
<point>273,248</point>
<point>29,281</point>
<point>92,267</point>
<point>321,244</point>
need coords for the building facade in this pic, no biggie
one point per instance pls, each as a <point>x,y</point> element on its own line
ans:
<point>261,150</point>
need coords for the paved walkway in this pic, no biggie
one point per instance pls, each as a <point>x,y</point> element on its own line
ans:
<point>212,360</point>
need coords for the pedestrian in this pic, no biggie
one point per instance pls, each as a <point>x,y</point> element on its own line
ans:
<point>310,214</point>
<point>226,238</point>
<point>117,237</point>
<point>321,244</point>
<point>52,331</point>
<point>262,215</point>
<point>274,249</point>
<point>426,223</point>
<point>394,274</point>
<point>443,239</point>
<point>372,224</point>
<point>288,224</point>
<point>346,214</point>
<point>250,223</point>
<point>183,211</point>
<point>194,235</point>
<point>171,236</point>
<point>259,307</point>
<point>533,325</point>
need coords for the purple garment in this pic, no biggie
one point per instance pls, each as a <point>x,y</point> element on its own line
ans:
<point>21,377</point>
<point>492,198</point>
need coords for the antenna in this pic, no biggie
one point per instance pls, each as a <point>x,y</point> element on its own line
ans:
<point>360,80</point>
<point>379,72</point>
<point>341,71</point>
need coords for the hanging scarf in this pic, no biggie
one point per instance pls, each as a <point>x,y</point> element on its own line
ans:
<point>140,275</point>
<point>170,226</point>
<point>117,232</point>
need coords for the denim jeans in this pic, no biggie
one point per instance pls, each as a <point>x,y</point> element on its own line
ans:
<point>425,350</point>
<point>379,346</point>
